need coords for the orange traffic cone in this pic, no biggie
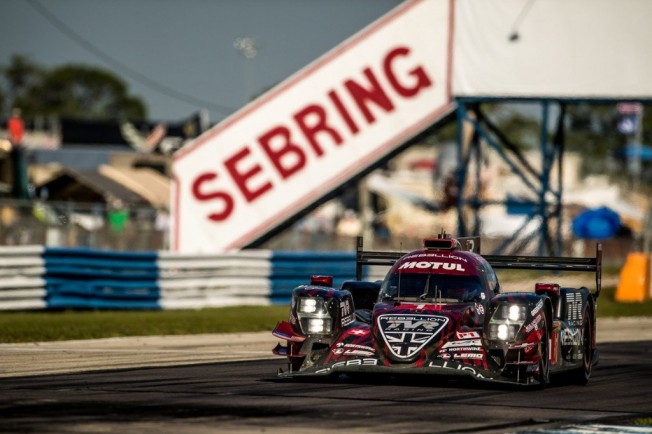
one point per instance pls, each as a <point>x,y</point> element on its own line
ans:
<point>634,278</point>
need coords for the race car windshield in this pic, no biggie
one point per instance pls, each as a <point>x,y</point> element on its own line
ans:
<point>430,287</point>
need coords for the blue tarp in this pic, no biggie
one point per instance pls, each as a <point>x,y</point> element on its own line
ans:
<point>597,223</point>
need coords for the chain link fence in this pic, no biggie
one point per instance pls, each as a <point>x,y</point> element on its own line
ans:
<point>68,224</point>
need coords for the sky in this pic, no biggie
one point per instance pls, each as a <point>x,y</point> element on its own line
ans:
<point>180,56</point>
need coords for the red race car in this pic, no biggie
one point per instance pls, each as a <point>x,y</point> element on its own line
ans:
<point>440,310</point>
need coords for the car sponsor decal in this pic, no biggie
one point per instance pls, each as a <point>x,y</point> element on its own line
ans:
<point>359,332</point>
<point>571,337</point>
<point>464,343</point>
<point>574,306</point>
<point>537,308</point>
<point>527,346</point>
<point>353,350</point>
<point>436,255</point>
<point>406,335</point>
<point>346,312</point>
<point>449,348</point>
<point>431,265</point>
<point>467,347</point>
<point>467,356</point>
<point>456,366</point>
<point>467,335</point>
<point>534,325</point>
<point>354,362</point>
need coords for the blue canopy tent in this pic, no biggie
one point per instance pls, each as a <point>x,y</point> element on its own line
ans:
<point>597,223</point>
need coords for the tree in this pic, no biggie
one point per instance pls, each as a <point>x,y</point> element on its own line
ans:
<point>594,133</point>
<point>20,75</point>
<point>76,91</point>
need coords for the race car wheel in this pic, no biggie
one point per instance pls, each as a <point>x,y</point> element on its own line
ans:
<point>544,356</point>
<point>583,373</point>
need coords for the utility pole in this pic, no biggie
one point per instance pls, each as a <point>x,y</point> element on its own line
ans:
<point>631,124</point>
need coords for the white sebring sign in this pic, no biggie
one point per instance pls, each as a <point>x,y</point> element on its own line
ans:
<point>314,131</point>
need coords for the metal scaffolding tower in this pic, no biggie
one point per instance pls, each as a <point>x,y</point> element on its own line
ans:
<point>544,201</point>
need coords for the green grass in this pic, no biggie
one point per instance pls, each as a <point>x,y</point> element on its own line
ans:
<point>72,325</point>
<point>67,325</point>
<point>607,306</point>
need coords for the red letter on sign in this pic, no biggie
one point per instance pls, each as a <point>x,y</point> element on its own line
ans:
<point>280,154</point>
<point>422,79</point>
<point>241,178</point>
<point>318,123</point>
<point>227,200</point>
<point>376,94</point>
<point>342,111</point>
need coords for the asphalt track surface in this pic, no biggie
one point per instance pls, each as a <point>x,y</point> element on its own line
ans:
<point>246,396</point>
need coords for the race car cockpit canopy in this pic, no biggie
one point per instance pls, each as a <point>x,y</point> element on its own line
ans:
<point>434,275</point>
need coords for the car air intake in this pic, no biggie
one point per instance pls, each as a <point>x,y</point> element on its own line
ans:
<point>440,243</point>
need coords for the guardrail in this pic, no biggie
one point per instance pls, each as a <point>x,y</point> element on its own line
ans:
<point>37,277</point>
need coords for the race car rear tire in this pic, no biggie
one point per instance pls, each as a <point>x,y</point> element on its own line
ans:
<point>583,373</point>
<point>544,356</point>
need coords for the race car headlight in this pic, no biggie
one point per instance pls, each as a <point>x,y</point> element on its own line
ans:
<point>311,305</point>
<point>503,332</point>
<point>510,312</point>
<point>318,325</point>
<point>313,315</point>
<point>506,321</point>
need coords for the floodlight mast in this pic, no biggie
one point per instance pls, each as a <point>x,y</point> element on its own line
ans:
<point>248,46</point>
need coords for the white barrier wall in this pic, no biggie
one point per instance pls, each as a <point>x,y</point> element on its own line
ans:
<point>34,277</point>
<point>21,278</point>
<point>196,281</point>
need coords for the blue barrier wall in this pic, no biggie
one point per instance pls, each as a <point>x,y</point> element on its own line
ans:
<point>62,278</point>
<point>96,279</point>
<point>290,270</point>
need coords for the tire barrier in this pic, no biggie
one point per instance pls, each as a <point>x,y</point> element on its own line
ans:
<point>37,277</point>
